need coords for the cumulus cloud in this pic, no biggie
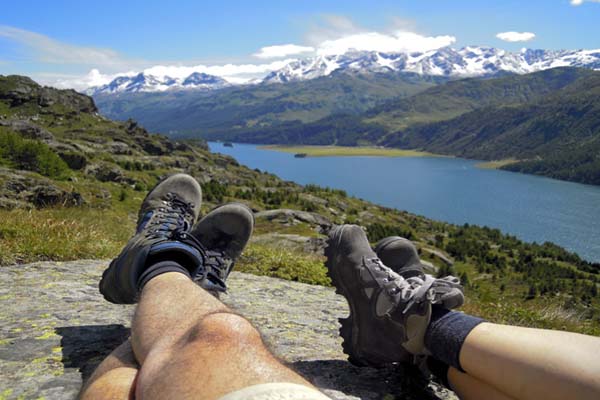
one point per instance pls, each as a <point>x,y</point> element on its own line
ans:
<point>515,36</point>
<point>580,2</point>
<point>333,35</point>
<point>283,50</point>
<point>395,42</point>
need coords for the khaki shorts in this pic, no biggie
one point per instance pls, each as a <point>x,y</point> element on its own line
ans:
<point>276,391</point>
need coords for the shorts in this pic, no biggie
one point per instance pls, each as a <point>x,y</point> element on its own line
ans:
<point>276,391</point>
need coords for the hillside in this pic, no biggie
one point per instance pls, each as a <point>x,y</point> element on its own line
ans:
<point>187,113</point>
<point>547,120</point>
<point>71,182</point>
<point>556,136</point>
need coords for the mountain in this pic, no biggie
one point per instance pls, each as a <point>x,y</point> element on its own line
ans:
<point>556,136</point>
<point>143,82</point>
<point>234,108</point>
<point>471,61</point>
<point>437,103</point>
<point>466,62</point>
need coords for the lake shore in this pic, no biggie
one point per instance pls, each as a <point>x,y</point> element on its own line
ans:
<point>343,151</point>
<point>496,164</point>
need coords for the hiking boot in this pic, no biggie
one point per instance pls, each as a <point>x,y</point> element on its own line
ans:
<point>167,213</point>
<point>401,256</point>
<point>224,232</point>
<point>388,314</point>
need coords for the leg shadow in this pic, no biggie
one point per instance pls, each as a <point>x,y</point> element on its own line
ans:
<point>84,347</point>
<point>400,382</point>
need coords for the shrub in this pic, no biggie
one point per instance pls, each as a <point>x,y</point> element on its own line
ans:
<point>284,264</point>
<point>31,155</point>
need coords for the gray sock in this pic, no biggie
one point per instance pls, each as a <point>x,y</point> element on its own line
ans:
<point>446,334</point>
<point>159,268</point>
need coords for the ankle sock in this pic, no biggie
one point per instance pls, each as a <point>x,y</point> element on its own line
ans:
<point>446,334</point>
<point>159,268</point>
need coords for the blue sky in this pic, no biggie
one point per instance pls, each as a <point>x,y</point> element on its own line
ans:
<point>61,41</point>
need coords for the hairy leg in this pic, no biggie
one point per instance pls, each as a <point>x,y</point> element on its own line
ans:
<point>192,346</point>
<point>528,363</point>
<point>114,379</point>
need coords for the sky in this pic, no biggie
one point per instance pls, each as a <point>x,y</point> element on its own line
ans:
<point>83,43</point>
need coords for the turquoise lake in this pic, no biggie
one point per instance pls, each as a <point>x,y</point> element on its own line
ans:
<point>533,208</point>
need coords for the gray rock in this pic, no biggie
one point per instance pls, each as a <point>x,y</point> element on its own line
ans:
<point>50,195</point>
<point>288,215</point>
<point>28,130</point>
<point>56,328</point>
<point>105,172</point>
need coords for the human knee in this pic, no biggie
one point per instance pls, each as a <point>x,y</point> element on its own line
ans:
<point>224,327</point>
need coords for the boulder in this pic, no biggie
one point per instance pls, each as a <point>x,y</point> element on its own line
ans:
<point>28,130</point>
<point>290,216</point>
<point>58,328</point>
<point>50,195</point>
<point>74,160</point>
<point>106,172</point>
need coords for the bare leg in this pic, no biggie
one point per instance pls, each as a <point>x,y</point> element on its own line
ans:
<point>192,346</point>
<point>469,388</point>
<point>528,363</point>
<point>114,379</point>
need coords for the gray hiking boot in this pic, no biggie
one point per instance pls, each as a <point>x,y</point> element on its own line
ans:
<point>167,213</point>
<point>401,256</point>
<point>388,314</point>
<point>224,232</point>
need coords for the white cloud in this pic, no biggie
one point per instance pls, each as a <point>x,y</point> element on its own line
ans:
<point>335,35</point>
<point>515,36</point>
<point>580,2</point>
<point>283,50</point>
<point>398,41</point>
<point>51,51</point>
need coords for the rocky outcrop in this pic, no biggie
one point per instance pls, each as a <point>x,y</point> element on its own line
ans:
<point>28,130</point>
<point>287,216</point>
<point>23,190</point>
<point>55,328</point>
<point>20,90</point>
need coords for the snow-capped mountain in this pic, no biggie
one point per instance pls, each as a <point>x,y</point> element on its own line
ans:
<point>143,82</point>
<point>469,61</point>
<point>465,62</point>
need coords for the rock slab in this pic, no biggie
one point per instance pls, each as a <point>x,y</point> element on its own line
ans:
<point>55,328</point>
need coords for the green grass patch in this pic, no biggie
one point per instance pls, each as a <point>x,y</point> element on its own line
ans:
<point>497,164</point>
<point>62,234</point>
<point>337,151</point>
<point>284,264</point>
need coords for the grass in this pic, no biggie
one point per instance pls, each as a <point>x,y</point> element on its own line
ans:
<point>62,234</point>
<point>330,151</point>
<point>496,164</point>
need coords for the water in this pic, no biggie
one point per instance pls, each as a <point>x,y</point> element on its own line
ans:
<point>533,208</point>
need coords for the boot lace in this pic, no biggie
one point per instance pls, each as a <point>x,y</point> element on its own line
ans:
<point>405,292</point>
<point>215,266</point>
<point>175,215</point>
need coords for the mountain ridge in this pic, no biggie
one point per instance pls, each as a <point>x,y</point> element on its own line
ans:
<point>470,61</point>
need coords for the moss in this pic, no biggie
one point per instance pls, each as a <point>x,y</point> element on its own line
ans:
<point>47,335</point>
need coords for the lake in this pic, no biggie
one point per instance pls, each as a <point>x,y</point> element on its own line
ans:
<point>533,208</point>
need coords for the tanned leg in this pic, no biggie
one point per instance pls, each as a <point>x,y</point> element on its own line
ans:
<point>528,363</point>
<point>114,379</point>
<point>192,346</point>
<point>469,388</point>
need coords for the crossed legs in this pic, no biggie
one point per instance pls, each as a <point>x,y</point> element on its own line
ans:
<point>188,345</point>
